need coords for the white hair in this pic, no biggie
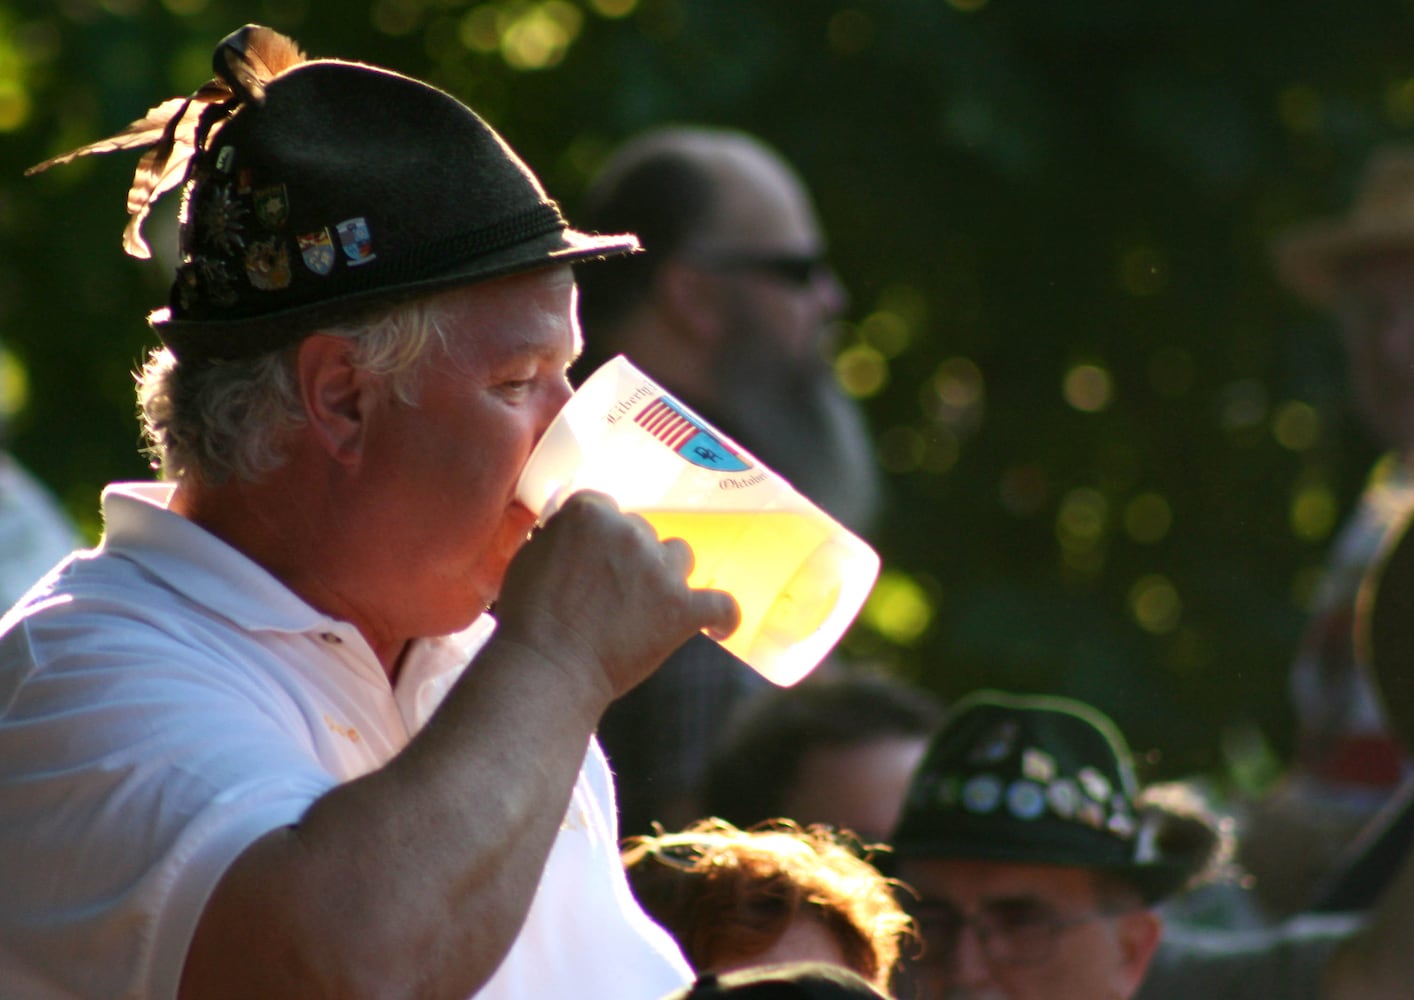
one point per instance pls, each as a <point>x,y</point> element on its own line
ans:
<point>211,422</point>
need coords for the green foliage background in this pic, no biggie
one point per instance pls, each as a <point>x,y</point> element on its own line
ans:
<point>1116,448</point>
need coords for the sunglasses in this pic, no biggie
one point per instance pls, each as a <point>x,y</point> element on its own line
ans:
<point>799,270</point>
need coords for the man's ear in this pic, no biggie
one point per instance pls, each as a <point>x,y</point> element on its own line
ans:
<point>1139,933</point>
<point>688,297</point>
<point>335,395</point>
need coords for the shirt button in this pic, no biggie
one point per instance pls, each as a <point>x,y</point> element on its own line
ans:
<point>330,637</point>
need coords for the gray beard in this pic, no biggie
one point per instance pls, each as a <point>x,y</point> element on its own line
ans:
<point>804,426</point>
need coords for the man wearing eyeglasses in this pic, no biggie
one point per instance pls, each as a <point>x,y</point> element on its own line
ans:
<point>731,307</point>
<point>1357,268</point>
<point>1036,869</point>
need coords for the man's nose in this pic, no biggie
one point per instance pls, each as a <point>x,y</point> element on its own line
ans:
<point>969,960</point>
<point>831,293</point>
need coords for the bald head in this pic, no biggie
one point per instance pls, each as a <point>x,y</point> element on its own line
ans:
<point>688,192</point>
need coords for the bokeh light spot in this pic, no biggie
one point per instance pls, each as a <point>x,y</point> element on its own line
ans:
<point>886,332</point>
<point>1296,426</point>
<point>908,301</point>
<point>189,65</point>
<point>1188,653</point>
<point>1087,387</point>
<point>1155,604</point>
<point>480,29</point>
<point>613,9</point>
<point>899,608</point>
<point>1399,102</point>
<point>1143,271</point>
<point>539,34</point>
<point>957,385</point>
<point>1313,512</point>
<point>14,385</point>
<point>850,31</point>
<point>901,449</point>
<point>1244,405</point>
<point>14,106</point>
<point>1147,518</point>
<point>396,18</point>
<point>941,450</point>
<point>185,8</point>
<point>862,371</point>
<point>1080,522</point>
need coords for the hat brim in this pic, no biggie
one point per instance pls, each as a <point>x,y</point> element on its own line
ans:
<point>1309,260</point>
<point>250,336</point>
<point>1066,846</point>
<point>1154,880</point>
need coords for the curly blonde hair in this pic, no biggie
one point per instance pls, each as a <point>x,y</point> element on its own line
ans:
<point>728,895</point>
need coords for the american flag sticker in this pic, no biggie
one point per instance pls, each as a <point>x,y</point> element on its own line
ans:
<point>682,433</point>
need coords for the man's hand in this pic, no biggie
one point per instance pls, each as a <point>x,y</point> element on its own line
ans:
<point>595,586</point>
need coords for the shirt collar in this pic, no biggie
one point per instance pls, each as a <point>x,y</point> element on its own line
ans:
<point>192,561</point>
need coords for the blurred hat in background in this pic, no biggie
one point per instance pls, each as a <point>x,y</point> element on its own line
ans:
<point>1044,780</point>
<point>1310,257</point>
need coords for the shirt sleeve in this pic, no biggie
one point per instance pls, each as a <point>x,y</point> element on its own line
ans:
<point>132,773</point>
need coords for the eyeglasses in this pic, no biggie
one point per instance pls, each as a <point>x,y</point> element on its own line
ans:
<point>799,270</point>
<point>1019,931</point>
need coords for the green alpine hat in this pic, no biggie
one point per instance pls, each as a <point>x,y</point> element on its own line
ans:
<point>1037,780</point>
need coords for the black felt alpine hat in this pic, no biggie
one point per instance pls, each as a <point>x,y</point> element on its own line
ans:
<point>1039,780</point>
<point>319,190</point>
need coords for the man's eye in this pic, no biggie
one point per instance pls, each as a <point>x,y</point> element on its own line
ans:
<point>1019,915</point>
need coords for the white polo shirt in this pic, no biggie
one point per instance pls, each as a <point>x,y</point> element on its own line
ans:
<point>35,533</point>
<point>164,702</point>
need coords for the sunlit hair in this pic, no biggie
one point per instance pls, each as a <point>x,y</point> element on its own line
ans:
<point>209,423</point>
<point>1187,827</point>
<point>727,895</point>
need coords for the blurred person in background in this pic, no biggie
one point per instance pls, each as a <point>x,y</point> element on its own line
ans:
<point>35,531</point>
<point>1359,268</point>
<point>731,307</point>
<point>837,750</point>
<point>775,893</point>
<point>1036,867</point>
